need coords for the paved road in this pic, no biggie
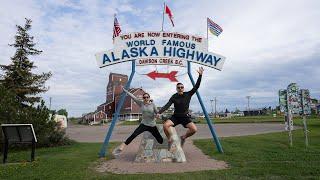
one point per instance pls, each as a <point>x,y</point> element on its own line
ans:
<point>84,133</point>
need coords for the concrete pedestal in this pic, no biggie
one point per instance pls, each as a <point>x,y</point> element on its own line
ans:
<point>151,151</point>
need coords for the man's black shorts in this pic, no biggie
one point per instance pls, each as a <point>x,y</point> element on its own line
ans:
<point>184,120</point>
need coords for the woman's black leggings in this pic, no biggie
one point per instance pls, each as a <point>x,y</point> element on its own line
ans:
<point>140,129</point>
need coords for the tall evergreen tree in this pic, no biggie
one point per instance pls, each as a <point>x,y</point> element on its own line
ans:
<point>18,76</point>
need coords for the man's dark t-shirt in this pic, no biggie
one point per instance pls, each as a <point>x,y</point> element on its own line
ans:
<point>181,102</point>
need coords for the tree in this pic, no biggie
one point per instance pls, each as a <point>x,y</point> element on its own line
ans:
<point>18,90</point>
<point>63,112</point>
<point>18,76</point>
<point>13,112</point>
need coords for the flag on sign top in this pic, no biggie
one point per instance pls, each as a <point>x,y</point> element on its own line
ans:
<point>214,28</point>
<point>116,28</point>
<point>170,15</point>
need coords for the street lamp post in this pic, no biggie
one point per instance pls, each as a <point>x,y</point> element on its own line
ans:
<point>248,97</point>
<point>215,106</point>
<point>211,106</point>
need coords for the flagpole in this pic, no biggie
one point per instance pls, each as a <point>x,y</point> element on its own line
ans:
<point>207,36</point>
<point>113,27</point>
<point>164,4</point>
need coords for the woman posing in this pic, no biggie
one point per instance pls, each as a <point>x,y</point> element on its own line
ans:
<point>148,123</point>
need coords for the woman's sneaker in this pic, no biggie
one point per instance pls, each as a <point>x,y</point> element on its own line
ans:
<point>116,152</point>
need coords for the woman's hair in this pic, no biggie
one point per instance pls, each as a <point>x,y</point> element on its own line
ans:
<point>151,100</point>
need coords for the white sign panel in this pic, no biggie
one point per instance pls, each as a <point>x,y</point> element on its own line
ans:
<point>160,48</point>
<point>160,38</point>
<point>161,61</point>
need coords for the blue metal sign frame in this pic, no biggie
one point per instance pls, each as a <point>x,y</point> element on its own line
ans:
<point>121,101</point>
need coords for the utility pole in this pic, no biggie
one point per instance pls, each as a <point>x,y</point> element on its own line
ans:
<point>50,103</point>
<point>248,97</point>
<point>211,100</point>
<point>215,106</point>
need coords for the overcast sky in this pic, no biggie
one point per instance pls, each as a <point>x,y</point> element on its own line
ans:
<point>268,44</point>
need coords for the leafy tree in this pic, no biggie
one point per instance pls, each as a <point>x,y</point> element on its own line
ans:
<point>18,76</point>
<point>62,112</point>
<point>19,88</point>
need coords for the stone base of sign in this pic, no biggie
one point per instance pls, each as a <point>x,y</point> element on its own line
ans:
<point>151,151</point>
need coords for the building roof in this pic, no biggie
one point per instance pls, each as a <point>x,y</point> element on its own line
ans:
<point>118,74</point>
<point>105,103</point>
<point>131,90</point>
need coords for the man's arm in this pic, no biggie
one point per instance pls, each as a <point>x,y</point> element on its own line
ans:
<point>165,107</point>
<point>197,85</point>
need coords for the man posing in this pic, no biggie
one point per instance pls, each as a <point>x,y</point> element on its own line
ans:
<point>181,101</point>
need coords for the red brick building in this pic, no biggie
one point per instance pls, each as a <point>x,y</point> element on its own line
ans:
<point>130,110</point>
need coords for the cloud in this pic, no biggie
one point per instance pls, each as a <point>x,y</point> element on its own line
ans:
<point>268,44</point>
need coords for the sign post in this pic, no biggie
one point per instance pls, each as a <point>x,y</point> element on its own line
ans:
<point>18,134</point>
<point>306,109</point>
<point>295,101</point>
<point>293,106</point>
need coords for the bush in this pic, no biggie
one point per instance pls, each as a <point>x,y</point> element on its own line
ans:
<point>13,112</point>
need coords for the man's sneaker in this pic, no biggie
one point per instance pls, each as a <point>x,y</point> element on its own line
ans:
<point>182,141</point>
<point>170,141</point>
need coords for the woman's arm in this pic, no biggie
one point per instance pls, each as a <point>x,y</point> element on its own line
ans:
<point>155,109</point>
<point>138,101</point>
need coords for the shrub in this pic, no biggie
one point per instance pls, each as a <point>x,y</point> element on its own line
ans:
<point>13,112</point>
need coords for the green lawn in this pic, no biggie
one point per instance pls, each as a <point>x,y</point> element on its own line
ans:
<point>268,156</point>
<point>265,156</point>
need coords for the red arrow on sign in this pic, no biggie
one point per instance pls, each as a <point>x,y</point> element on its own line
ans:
<point>171,76</point>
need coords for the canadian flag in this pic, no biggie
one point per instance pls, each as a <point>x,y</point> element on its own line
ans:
<point>170,15</point>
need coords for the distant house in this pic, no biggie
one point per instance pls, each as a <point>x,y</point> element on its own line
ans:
<point>254,112</point>
<point>87,118</point>
<point>239,113</point>
<point>105,111</point>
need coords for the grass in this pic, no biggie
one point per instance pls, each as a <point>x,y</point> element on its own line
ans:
<point>266,156</point>
<point>245,119</point>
